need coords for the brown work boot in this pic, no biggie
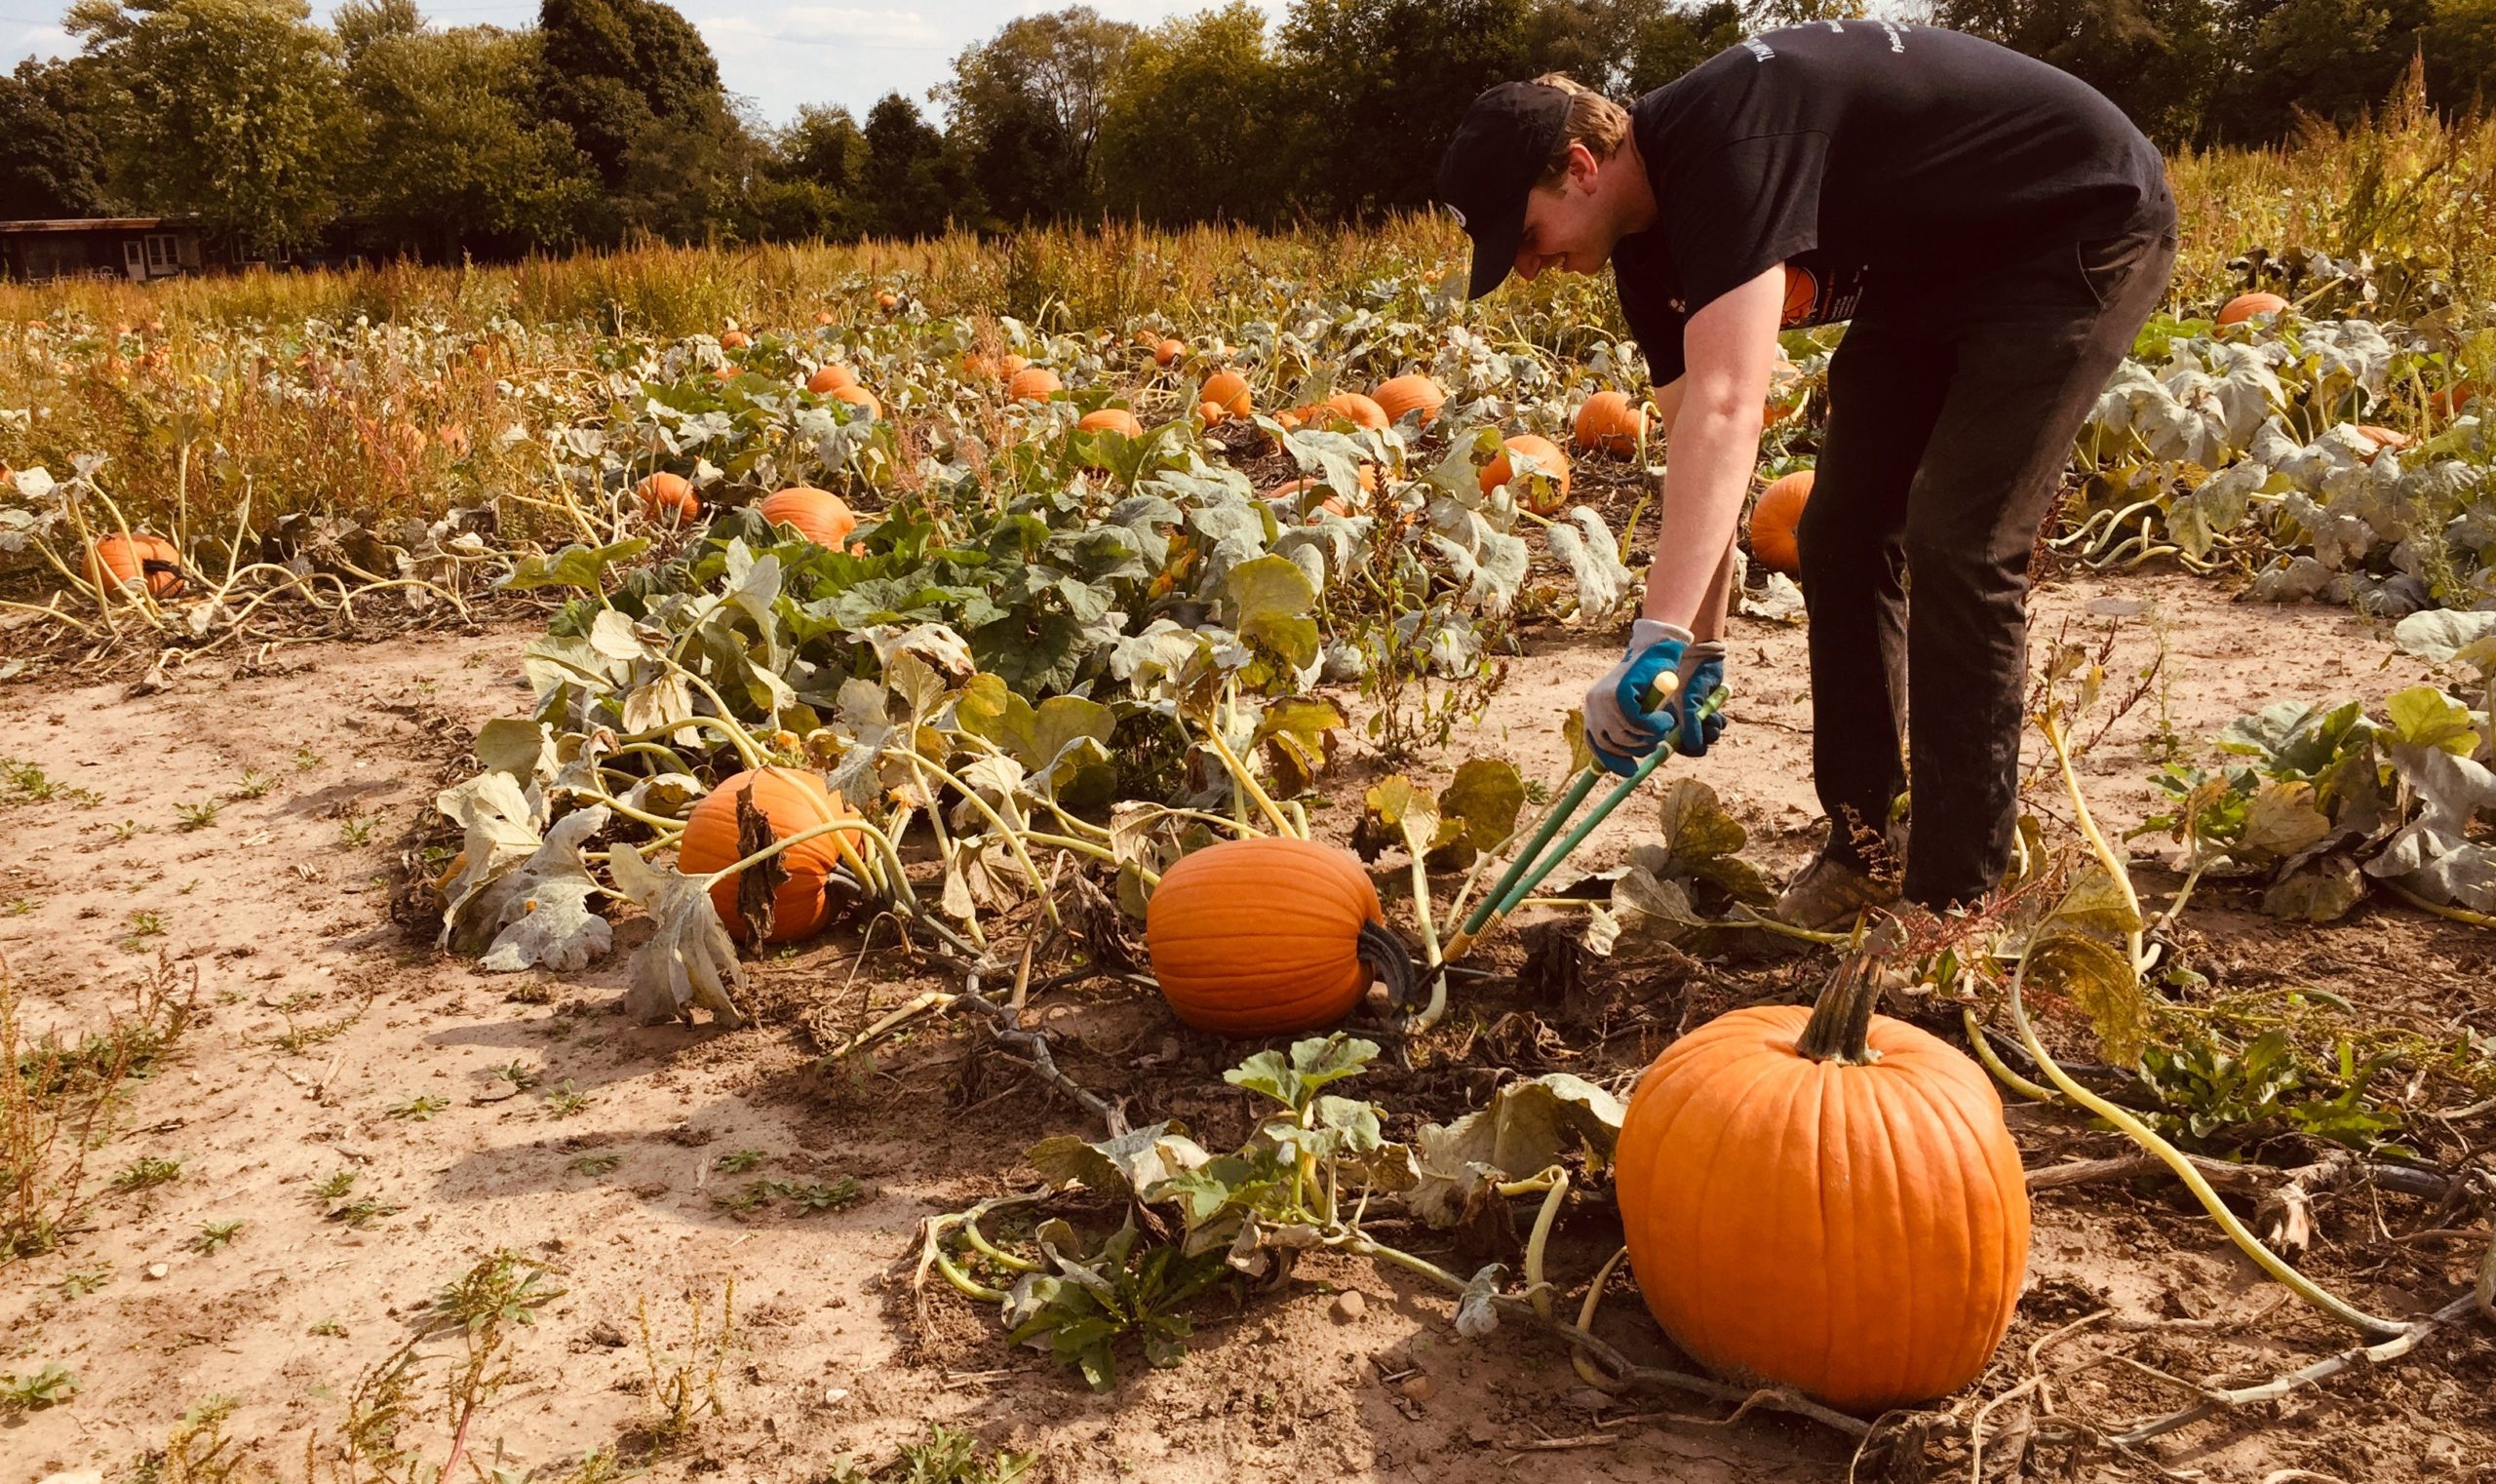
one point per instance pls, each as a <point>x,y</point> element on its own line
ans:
<point>1827,894</point>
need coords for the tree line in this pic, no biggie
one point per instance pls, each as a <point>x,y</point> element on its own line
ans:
<point>606,121</point>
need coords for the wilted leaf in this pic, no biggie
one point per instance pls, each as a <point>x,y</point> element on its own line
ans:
<point>1527,1128</point>
<point>2423,716</point>
<point>689,961</point>
<point>536,915</point>
<point>1295,732</point>
<point>2097,977</point>
<point>499,824</point>
<point>2441,634</point>
<point>1397,803</point>
<point>1122,1168</point>
<point>523,748</point>
<point>1485,797</point>
<point>2283,819</point>
<point>2322,892</point>
<point>1476,1315</point>
<point>1271,599</point>
<point>2097,903</point>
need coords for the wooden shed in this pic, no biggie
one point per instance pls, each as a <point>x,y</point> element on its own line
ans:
<point>103,247</point>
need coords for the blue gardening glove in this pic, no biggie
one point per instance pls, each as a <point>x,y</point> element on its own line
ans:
<point>1619,729</point>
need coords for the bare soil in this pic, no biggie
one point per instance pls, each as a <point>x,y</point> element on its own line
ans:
<point>316,1018</point>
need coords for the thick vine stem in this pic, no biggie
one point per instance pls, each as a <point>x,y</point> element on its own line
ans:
<point>1983,1044</point>
<point>2174,1159</point>
<point>1841,1022</point>
<point>2088,822</point>
<point>1578,1360</point>
<point>1247,782</point>
<point>1387,958</point>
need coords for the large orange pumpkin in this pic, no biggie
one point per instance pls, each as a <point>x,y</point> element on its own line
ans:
<point>1826,1200</point>
<point>664,495</point>
<point>829,378</point>
<point>1399,394</point>
<point>1609,423</point>
<point>2245,307</point>
<point>819,515</point>
<point>1778,510</point>
<point>125,561</point>
<point>792,799</point>
<point>1033,383</point>
<point>1228,391</point>
<point>1358,411</point>
<point>1543,492</point>
<point>1110,419</point>
<point>1268,936</point>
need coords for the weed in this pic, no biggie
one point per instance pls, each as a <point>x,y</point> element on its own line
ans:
<point>355,832</point>
<point>253,784</point>
<point>365,1211</point>
<point>520,1074</point>
<point>195,1451</point>
<point>26,783</point>
<point>738,1162</point>
<point>684,1388</point>
<point>477,1313</point>
<point>143,926</point>
<point>306,759</point>
<point>563,1102</point>
<point>334,1185</point>
<point>147,1171</point>
<point>946,1457</point>
<point>216,1235</point>
<point>18,907</point>
<point>86,1280</point>
<point>327,1329</point>
<point>296,1040</point>
<point>126,831</point>
<point>753,1195</point>
<point>811,1199</point>
<point>421,1108</point>
<point>196,816</point>
<point>595,1165</point>
<point>47,1388</point>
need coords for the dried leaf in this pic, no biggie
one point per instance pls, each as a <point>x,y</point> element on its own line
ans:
<point>689,961</point>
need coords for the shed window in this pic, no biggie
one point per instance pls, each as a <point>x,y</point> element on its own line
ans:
<point>160,253</point>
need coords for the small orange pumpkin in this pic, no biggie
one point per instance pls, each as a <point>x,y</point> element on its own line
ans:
<point>1543,492</point>
<point>2382,438</point>
<point>1268,936</point>
<point>1168,352</point>
<point>1399,394</point>
<point>830,378</point>
<point>727,372</point>
<point>1033,383</point>
<point>1609,423</point>
<point>1826,1199</point>
<point>664,495</point>
<point>792,799</point>
<point>818,515</point>
<point>125,560</point>
<point>1228,391</point>
<point>2450,400</point>
<point>859,397</point>
<point>1110,419</point>
<point>735,340</point>
<point>1211,412</point>
<point>2245,307</point>
<point>888,300</point>
<point>1773,517</point>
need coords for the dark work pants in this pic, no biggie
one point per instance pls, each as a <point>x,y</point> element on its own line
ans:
<point>1953,405</point>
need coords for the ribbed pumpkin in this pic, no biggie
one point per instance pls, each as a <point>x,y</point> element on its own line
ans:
<point>859,397</point>
<point>1268,936</point>
<point>1110,419</point>
<point>1358,411</point>
<point>1228,391</point>
<point>2245,307</point>
<point>1033,383</point>
<point>792,799</point>
<point>123,560</point>
<point>819,515</point>
<point>1609,423</point>
<point>1544,491</point>
<point>1824,1199</point>
<point>829,378</point>
<point>664,495</point>
<point>1778,510</point>
<point>1399,394</point>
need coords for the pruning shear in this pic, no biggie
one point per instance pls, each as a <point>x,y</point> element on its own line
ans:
<point>1533,864</point>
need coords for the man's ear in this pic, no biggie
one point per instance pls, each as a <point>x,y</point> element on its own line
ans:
<point>1582,165</point>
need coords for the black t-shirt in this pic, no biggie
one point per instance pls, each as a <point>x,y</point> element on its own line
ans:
<point>1842,148</point>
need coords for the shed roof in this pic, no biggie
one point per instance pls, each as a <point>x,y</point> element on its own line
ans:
<point>95,224</point>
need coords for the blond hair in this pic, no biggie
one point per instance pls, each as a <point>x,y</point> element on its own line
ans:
<point>1594,121</point>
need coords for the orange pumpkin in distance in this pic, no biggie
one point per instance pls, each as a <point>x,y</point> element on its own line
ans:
<point>829,378</point>
<point>1265,936</point>
<point>665,496</point>
<point>123,560</point>
<point>1168,352</point>
<point>1399,394</point>
<point>727,372</point>
<point>735,340</point>
<point>1774,517</point>
<point>1228,391</point>
<point>888,300</point>
<point>2447,401</point>
<point>2245,307</point>
<point>2382,438</point>
<point>1832,1204</point>
<point>1211,412</point>
<point>792,799</point>
<point>818,515</point>
<point>1547,489</point>
<point>1609,423</point>
<point>859,397</point>
<point>1033,383</point>
<point>1358,411</point>
<point>1110,419</point>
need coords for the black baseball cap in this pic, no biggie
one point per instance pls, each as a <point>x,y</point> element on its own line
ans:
<point>1500,149</point>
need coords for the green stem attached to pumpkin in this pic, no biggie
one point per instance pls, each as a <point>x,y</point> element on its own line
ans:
<point>1841,1023</point>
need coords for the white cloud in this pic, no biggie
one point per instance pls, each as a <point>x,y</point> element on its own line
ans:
<point>834,25</point>
<point>39,41</point>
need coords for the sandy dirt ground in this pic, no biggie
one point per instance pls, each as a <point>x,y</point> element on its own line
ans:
<point>608,1151</point>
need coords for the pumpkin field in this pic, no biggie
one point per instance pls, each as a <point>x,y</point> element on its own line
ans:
<point>972,861</point>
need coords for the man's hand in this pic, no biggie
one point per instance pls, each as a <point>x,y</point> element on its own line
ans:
<point>1620,727</point>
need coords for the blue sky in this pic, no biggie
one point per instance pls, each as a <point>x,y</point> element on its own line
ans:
<point>780,54</point>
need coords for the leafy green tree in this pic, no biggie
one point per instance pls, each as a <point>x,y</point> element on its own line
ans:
<point>1191,130</point>
<point>689,178</point>
<point>52,153</point>
<point>608,69</point>
<point>811,176</point>
<point>2460,47</point>
<point>452,157</point>
<point>2331,59</point>
<point>1027,107</point>
<point>1390,78</point>
<point>228,110</point>
<point>2161,61</point>
<point>912,185</point>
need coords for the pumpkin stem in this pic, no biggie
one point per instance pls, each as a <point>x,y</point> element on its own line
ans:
<point>1841,1023</point>
<point>1393,962</point>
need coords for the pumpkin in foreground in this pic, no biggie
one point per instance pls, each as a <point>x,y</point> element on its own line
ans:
<point>792,799</point>
<point>1825,1199</point>
<point>1547,489</point>
<point>1775,516</point>
<point>1268,936</point>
